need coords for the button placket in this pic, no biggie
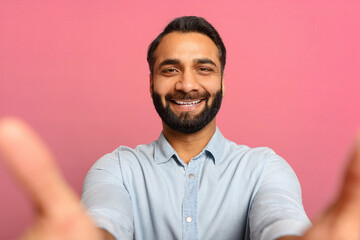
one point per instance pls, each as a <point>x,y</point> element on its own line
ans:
<point>190,208</point>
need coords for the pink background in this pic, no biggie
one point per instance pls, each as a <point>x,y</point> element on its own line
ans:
<point>77,71</point>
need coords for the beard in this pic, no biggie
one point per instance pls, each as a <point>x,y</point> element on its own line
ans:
<point>185,122</point>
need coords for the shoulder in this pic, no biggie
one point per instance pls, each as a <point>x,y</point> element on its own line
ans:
<point>228,151</point>
<point>256,155</point>
<point>256,161</point>
<point>123,160</point>
<point>124,155</point>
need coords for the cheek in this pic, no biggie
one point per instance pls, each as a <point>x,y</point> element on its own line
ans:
<point>210,101</point>
<point>213,89</point>
<point>162,86</point>
<point>211,84</point>
<point>161,93</point>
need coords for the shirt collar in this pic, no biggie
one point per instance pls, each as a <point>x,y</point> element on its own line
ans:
<point>164,151</point>
<point>216,146</point>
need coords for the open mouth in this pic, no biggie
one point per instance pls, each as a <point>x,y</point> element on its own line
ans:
<point>187,103</point>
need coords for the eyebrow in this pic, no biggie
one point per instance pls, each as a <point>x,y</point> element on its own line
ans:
<point>177,61</point>
<point>169,62</point>
<point>205,61</point>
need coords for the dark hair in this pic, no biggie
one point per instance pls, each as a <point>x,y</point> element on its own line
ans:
<point>188,24</point>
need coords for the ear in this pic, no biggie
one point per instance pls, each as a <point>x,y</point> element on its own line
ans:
<point>223,87</point>
<point>151,84</point>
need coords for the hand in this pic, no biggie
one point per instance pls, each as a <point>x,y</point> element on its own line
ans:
<point>341,221</point>
<point>59,212</point>
<point>61,216</point>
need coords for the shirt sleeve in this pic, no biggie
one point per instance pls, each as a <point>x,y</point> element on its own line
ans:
<point>106,198</point>
<point>277,209</point>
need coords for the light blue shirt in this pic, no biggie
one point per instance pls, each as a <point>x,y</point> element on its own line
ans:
<point>228,191</point>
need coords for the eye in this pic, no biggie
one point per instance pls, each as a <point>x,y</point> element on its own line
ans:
<point>169,70</point>
<point>205,70</point>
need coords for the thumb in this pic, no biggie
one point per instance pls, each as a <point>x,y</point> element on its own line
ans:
<point>31,162</point>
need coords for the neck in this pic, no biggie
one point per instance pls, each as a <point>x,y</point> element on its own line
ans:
<point>189,145</point>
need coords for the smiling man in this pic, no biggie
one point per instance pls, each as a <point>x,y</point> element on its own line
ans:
<point>188,90</point>
<point>192,183</point>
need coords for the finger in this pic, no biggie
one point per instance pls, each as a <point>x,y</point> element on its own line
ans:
<point>32,164</point>
<point>349,199</point>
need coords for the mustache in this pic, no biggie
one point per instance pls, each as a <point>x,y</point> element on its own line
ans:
<point>186,96</point>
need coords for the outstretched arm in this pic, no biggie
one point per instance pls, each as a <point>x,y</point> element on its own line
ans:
<point>341,221</point>
<point>59,212</point>
<point>61,216</point>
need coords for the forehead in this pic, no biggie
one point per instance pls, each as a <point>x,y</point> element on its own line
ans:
<point>186,46</point>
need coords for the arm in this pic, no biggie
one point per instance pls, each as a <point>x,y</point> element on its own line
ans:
<point>342,219</point>
<point>32,165</point>
<point>289,238</point>
<point>108,236</point>
<point>106,197</point>
<point>276,208</point>
<point>59,213</point>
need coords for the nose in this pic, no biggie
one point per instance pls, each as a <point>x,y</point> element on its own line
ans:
<point>187,82</point>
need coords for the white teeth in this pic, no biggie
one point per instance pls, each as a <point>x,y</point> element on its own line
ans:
<point>187,103</point>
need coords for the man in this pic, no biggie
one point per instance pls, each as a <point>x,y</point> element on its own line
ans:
<point>191,183</point>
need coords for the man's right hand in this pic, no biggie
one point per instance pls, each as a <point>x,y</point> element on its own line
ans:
<point>59,214</point>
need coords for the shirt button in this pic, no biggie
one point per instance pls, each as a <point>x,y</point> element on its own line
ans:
<point>191,176</point>
<point>188,219</point>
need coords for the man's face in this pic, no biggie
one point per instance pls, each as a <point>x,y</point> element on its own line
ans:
<point>186,84</point>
